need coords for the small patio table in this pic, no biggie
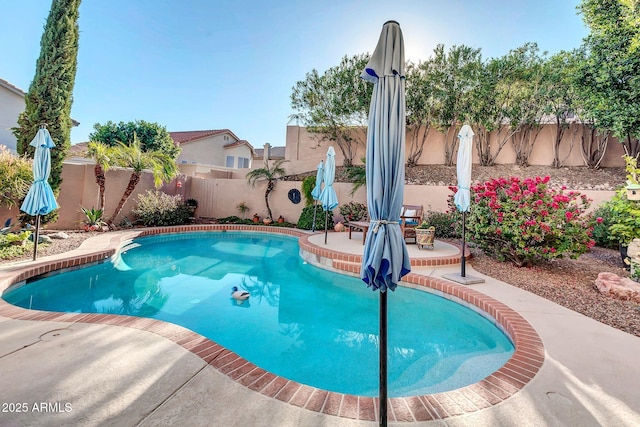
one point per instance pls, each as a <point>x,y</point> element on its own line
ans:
<point>359,225</point>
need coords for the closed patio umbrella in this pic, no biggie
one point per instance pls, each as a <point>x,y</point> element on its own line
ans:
<point>385,259</point>
<point>462,200</point>
<point>463,195</point>
<point>40,199</point>
<point>315,193</point>
<point>328,196</point>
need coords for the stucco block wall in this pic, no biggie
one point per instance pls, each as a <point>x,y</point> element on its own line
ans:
<point>219,198</point>
<point>79,190</point>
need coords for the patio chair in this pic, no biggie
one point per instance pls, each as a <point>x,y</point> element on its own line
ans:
<point>410,217</point>
<point>6,227</point>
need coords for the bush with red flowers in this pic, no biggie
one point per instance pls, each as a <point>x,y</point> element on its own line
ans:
<point>526,222</point>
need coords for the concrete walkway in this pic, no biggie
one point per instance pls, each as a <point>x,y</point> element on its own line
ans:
<point>60,373</point>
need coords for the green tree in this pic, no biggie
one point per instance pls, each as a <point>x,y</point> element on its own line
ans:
<point>50,94</point>
<point>335,105</point>
<point>526,106</point>
<point>559,96</point>
<point>592,133</point>
<point>271,173</point>
<point>162,166</point>
<point>103,155</point>
<point>609,75</point>
<point>455,73</point>
<point>497,106</point>
<point>421,107</point>
<point>152,136</point>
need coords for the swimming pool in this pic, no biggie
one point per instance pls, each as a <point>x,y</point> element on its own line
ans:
<point>303,323</point>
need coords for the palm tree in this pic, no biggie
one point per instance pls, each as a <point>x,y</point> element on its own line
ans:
<point>162,166</point>
<point>271,174</point>
<point>357,175</point>
<point>101,154</point>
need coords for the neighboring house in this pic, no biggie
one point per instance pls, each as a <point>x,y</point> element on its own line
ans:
<point>213,147</point>
<point>270,153</point>
<point>11,105</point>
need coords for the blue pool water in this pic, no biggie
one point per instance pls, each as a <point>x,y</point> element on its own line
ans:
<point>303,323</point>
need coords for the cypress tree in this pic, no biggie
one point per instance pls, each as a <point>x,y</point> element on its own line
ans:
<point>50,94</point>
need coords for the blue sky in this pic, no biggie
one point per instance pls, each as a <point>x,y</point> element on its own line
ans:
<point>200,64</point>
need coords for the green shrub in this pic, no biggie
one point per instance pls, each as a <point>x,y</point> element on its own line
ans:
<point>525,222</point>
<point>625,214</point>
<point>234,220</point>
<point>15,244</point>
<point>624,219</point>
<point>602,219</point>
<point>448,224</point>
<point>308,184</point>
<point>306,218</point>
<point>156,208</point>
<point>353,211</point>
<point>15,177</point>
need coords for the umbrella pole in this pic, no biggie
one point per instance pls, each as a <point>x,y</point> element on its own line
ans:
<point>326,218</point>
<point>36,238</point>
<point>315,207</point>
<point>463,259</point>
<point>383,359</point>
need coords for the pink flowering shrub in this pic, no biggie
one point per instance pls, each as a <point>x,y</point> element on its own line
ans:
<point>526,222</point>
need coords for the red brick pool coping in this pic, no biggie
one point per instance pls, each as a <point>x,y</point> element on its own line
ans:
<point>497,387</point>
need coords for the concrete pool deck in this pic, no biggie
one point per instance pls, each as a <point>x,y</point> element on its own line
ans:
<point>78,373</point>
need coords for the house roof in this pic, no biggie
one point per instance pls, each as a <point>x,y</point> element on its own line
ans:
<point>194,135</point>
<point>12,88</point>
<point>78,150</point>
<point>241,142</point>
<point>22,93</point>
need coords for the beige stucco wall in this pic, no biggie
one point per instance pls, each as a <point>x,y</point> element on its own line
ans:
<point>305,150</point>
<point>11,105</point>
<point>79,190</point>
<point>211,151</point>
<point>206,171</point>
<point>219,198</point>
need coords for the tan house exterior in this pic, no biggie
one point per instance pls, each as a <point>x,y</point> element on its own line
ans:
<point>11,105</point>
<point>213,147</point>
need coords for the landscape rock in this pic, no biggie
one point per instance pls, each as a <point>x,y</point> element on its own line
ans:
<point>620,287</point>
<point>59,235</point>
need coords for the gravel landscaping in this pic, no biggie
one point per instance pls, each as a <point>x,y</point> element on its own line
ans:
<point>570,283</point>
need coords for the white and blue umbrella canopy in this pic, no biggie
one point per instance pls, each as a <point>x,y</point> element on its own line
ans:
<point>462,197</point>
<point>385,258</point>
<point>315,193</point>
<point>328,196</point>
<point>40,199</point>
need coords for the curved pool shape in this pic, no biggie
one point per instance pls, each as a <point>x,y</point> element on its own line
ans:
<point>301,322</point>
